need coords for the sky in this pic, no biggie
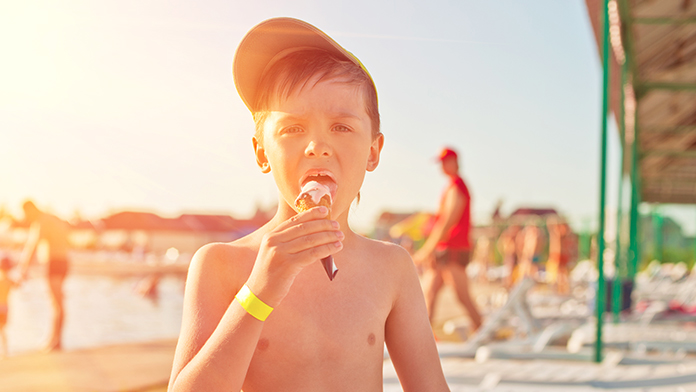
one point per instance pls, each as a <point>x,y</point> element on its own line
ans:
<point>130,105</point>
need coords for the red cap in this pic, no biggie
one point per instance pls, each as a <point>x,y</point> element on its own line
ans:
<point>446,153</point>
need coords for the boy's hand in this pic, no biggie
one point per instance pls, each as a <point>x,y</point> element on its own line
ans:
<point>301,240</point>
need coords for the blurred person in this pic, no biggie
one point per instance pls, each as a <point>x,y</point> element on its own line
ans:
<point>447,250</point>
<point>507,246</point>
<point>529,243</point>
<point>6,284</point>
<point>483,256</point>
<point>148,287</point>
<point>497,216</point>
<point>498,224</point>
<point>51,233</point>
<point>563,249</point>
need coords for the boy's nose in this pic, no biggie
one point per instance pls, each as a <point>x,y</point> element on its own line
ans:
<point>317,148</point>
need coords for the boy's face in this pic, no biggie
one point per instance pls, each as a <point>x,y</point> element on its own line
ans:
<point>320,132</point>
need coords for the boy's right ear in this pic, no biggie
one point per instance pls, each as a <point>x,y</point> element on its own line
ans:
<point>260,153</point>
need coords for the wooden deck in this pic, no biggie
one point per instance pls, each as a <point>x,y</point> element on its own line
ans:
<point>133,367</point>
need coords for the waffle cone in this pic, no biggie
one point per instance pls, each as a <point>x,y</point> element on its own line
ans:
<point>305,202</point>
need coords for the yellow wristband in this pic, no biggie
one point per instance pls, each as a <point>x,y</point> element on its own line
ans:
<point>252,304</point>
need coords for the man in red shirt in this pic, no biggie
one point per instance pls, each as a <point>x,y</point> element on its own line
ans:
<point>448,247</point>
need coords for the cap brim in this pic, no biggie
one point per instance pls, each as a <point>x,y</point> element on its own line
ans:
<point>442,157</point>
<point>265,41</point>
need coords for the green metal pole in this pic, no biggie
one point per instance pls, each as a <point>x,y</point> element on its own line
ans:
<point>635,201</point>
<point>617,284</point>
<point>658,251</point>
<point>602,184</point>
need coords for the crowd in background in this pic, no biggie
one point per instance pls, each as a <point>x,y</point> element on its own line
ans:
<point>539,244</point>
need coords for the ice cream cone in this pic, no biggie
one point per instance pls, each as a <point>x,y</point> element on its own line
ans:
<point>307,199</point>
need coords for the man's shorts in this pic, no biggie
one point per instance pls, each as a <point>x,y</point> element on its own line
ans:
<point>453,256</point>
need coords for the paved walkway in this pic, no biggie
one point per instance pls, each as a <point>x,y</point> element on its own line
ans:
<point>510,375</point>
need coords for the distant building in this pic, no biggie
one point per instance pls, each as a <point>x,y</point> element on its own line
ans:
<point>528,212</point>
<point>146,232</point>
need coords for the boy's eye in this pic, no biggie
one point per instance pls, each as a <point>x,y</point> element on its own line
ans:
<point>341,128</point>
<point>291,129</point>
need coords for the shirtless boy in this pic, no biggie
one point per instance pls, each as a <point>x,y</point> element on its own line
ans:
<point>315,109</point>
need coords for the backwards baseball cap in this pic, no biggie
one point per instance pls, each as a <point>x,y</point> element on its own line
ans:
<point>271,40</point>
<point>446,153</point>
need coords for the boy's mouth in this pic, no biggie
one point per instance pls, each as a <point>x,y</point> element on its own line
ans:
<point>325,178</point>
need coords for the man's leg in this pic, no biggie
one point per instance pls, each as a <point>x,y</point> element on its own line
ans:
<point>432,283</point>
<point>55,283</point>
<point>3,342</point>
<point>461,286</point>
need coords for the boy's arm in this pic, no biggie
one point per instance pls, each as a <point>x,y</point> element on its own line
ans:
<point>408,334</point>
<point>217,336</point>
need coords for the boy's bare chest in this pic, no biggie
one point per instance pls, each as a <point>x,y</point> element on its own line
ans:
<point>327,327</point>
<point>319,312</point>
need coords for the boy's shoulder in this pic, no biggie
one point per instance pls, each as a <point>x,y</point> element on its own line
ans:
<point>389,248</point>
<point>226,261</point>
<point>239,247</point>
<point>384,254</point>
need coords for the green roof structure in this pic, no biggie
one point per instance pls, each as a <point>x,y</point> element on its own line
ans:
<point>648,52</point>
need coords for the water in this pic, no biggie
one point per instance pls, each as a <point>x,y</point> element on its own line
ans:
<point>99,310</point>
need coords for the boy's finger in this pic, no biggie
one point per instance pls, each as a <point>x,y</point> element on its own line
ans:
<point>310,222</point>
<point>301,244</point>
<point>319,252</point>
<point>307,228</point>
<point>319,212</point>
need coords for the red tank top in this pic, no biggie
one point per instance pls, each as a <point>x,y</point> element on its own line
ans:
<point>458,235</point>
